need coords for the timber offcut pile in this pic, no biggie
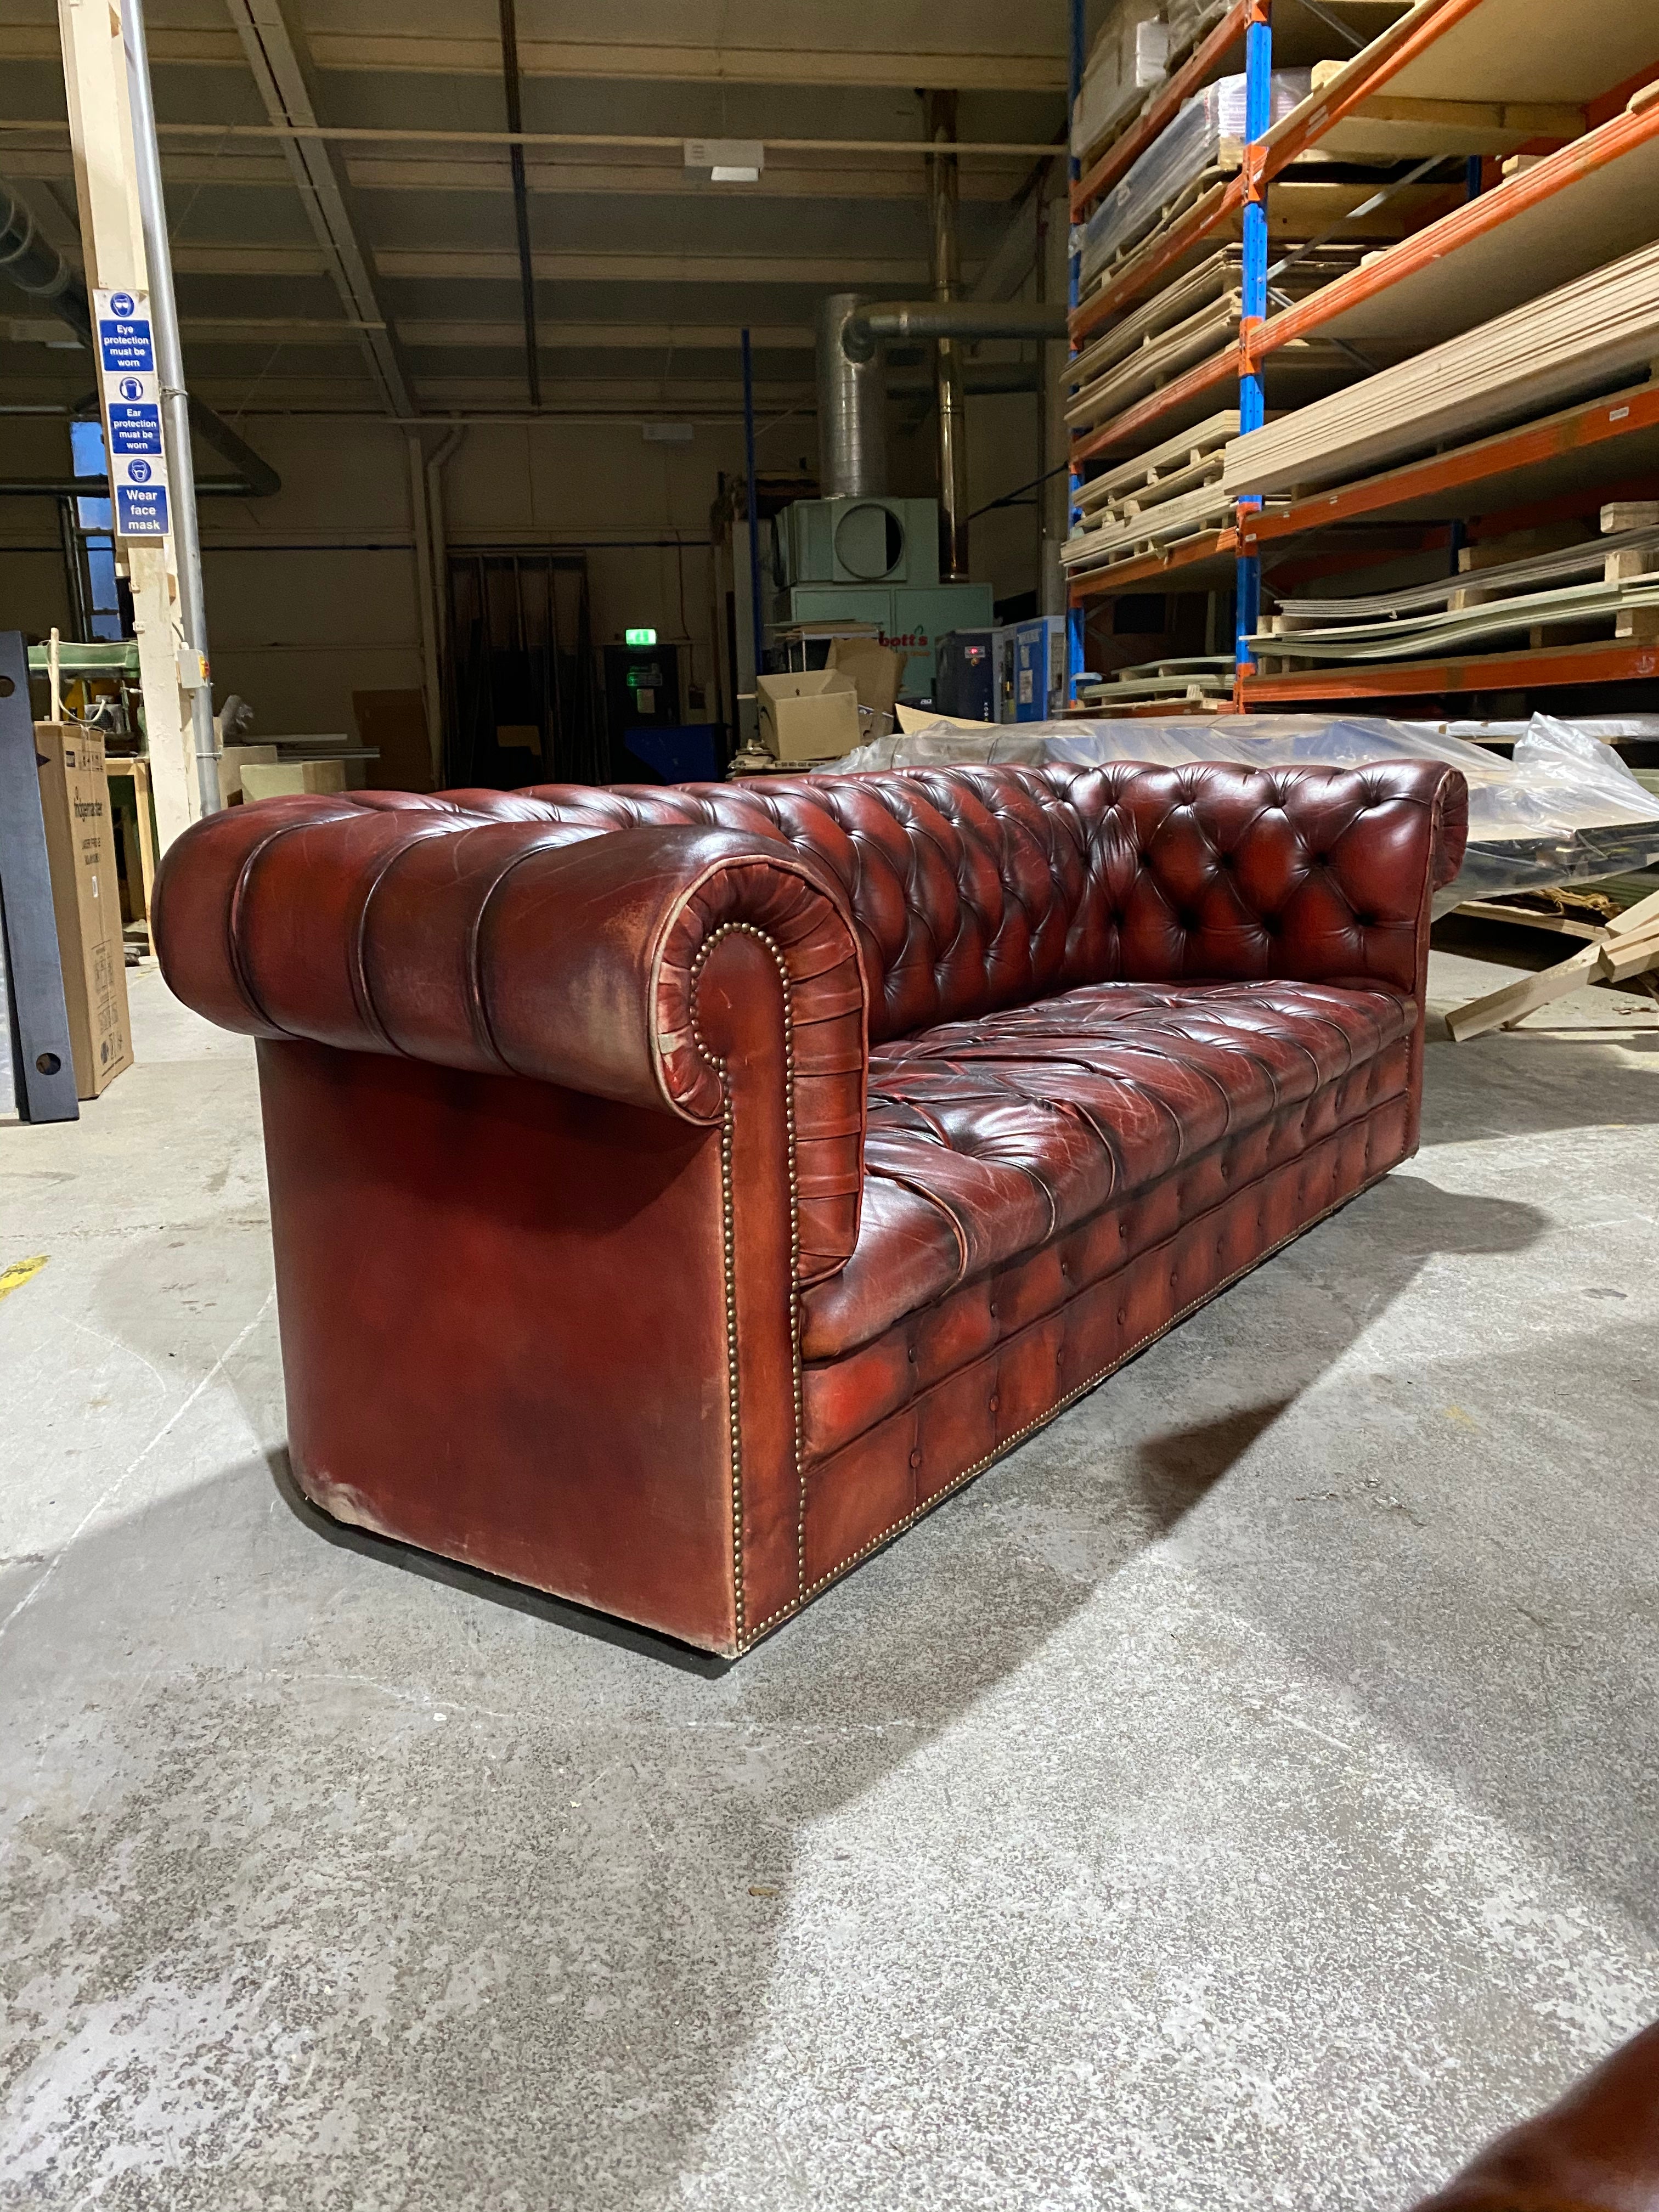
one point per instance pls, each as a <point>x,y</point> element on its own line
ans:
<point>1587,334</point>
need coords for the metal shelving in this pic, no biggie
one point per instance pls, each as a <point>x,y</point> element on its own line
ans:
<point>1596,167</point>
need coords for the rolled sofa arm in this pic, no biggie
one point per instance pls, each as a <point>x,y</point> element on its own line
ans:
<point>525,947</point>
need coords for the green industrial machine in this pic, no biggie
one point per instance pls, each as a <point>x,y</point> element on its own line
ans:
<point>873,560</point>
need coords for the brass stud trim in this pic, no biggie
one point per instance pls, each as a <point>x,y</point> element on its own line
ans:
<point>745,1634</point>
<point>1062,1404</point>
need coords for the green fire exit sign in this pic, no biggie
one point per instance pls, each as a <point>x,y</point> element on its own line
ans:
<point>639,637</point>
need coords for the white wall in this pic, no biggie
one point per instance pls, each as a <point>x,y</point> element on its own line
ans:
<point>311,595</point>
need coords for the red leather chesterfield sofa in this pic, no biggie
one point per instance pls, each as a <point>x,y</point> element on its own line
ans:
<point>678,1191</point>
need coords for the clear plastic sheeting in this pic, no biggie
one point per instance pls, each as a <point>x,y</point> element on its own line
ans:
<point>1182,151</point>
<point>1565,809</point>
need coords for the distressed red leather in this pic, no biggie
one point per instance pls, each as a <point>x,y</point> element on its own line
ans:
<point>676,1191</point>
<point>1596,2150</point>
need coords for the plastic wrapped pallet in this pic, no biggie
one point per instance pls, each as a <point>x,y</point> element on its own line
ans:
<point>1181,152</point>
<point>1190,19</point>
<point>1126,61</point>
<point>1565,810</point>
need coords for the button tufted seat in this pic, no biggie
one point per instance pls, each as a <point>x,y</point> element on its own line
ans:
<point>986,1139</point>
<point>675,1192</point>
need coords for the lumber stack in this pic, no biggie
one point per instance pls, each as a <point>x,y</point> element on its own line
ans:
<point>1203,681</point>
<point>1193,320</point>
<point>1453,613</point>
<point>1154,500</point>
<point>1586,334</point>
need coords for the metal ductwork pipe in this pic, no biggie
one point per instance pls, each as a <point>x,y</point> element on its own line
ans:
<point>852,406</point>
<point>911,321</point>
<point>34,265</point>
<point>951,402</point>
<point>854,383</point>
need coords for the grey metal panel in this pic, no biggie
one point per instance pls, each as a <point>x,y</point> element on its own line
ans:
<point>33,970</point>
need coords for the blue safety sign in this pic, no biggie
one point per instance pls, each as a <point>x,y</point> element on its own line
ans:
<point>141,510</point>
<point>125,345</point>
<point>132,414</point>
<point>134,428</point>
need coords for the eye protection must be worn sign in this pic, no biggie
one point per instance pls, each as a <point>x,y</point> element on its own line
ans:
<point>132,414</point>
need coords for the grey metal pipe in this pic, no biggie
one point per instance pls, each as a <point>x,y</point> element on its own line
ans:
<point>852,407</point>
<point>34,265</point>
<point>911,321</point>
<point>175,398</point>
<point>950,400</point>
<point>98,487</point>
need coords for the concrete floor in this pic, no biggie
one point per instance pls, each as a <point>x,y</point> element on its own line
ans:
<point>1243,1795</point>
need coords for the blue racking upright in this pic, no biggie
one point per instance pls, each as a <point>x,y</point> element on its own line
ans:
<point>1252,410</point>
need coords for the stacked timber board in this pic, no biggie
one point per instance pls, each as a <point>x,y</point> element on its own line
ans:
<point>1155,500</point>
<point>1203,681</point>
<point>1587,334</point>
<point>1193,320</point>
<point>1478,605</point>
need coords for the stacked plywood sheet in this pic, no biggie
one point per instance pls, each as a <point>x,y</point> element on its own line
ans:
<point>1188,321</point>
<point>1155,500</point>
<point>1204,682</point>
<point>1587,333</point>
<point>1475,607</point>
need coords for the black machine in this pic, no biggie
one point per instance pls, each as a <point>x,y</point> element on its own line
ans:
<point>642,692</point>
<point>966,684</point>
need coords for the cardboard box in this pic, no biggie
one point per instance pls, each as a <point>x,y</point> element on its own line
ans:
<point>924,718</point>
<point>809,716</point>
<point>86,901</point>
<point>283,779</point>
<point>233,759</point>
<point>877,671</point>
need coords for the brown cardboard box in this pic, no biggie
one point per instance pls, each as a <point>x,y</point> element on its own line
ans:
<point>87,901</point>
<point>233,759</point>
<point>876,670</point>
<point>812,716</point>
<point>283,779</point>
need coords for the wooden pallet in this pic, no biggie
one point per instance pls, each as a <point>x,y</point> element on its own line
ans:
<point>1214,278</point>
<point>1210,331</point>
<point>1187,449</point>
<point>1164,529</point>
<point>1458,628</point>
<point>1502,577</point>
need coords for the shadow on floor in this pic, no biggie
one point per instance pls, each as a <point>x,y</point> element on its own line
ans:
<point>1528,1082</point>
<point>345,1864</point>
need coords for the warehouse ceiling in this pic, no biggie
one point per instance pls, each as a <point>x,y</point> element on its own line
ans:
<point>383,273</point>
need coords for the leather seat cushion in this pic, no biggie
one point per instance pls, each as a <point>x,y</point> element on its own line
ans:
<point>993,1137</point>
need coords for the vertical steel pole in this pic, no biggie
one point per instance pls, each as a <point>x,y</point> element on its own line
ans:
<point>175,399</point>
<point>1252,412</point>
<point>754,498</point>
<point>1074,615</point>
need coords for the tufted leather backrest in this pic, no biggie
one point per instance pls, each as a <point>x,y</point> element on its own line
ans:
<point>970,888</point>
<point>974,887</point>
